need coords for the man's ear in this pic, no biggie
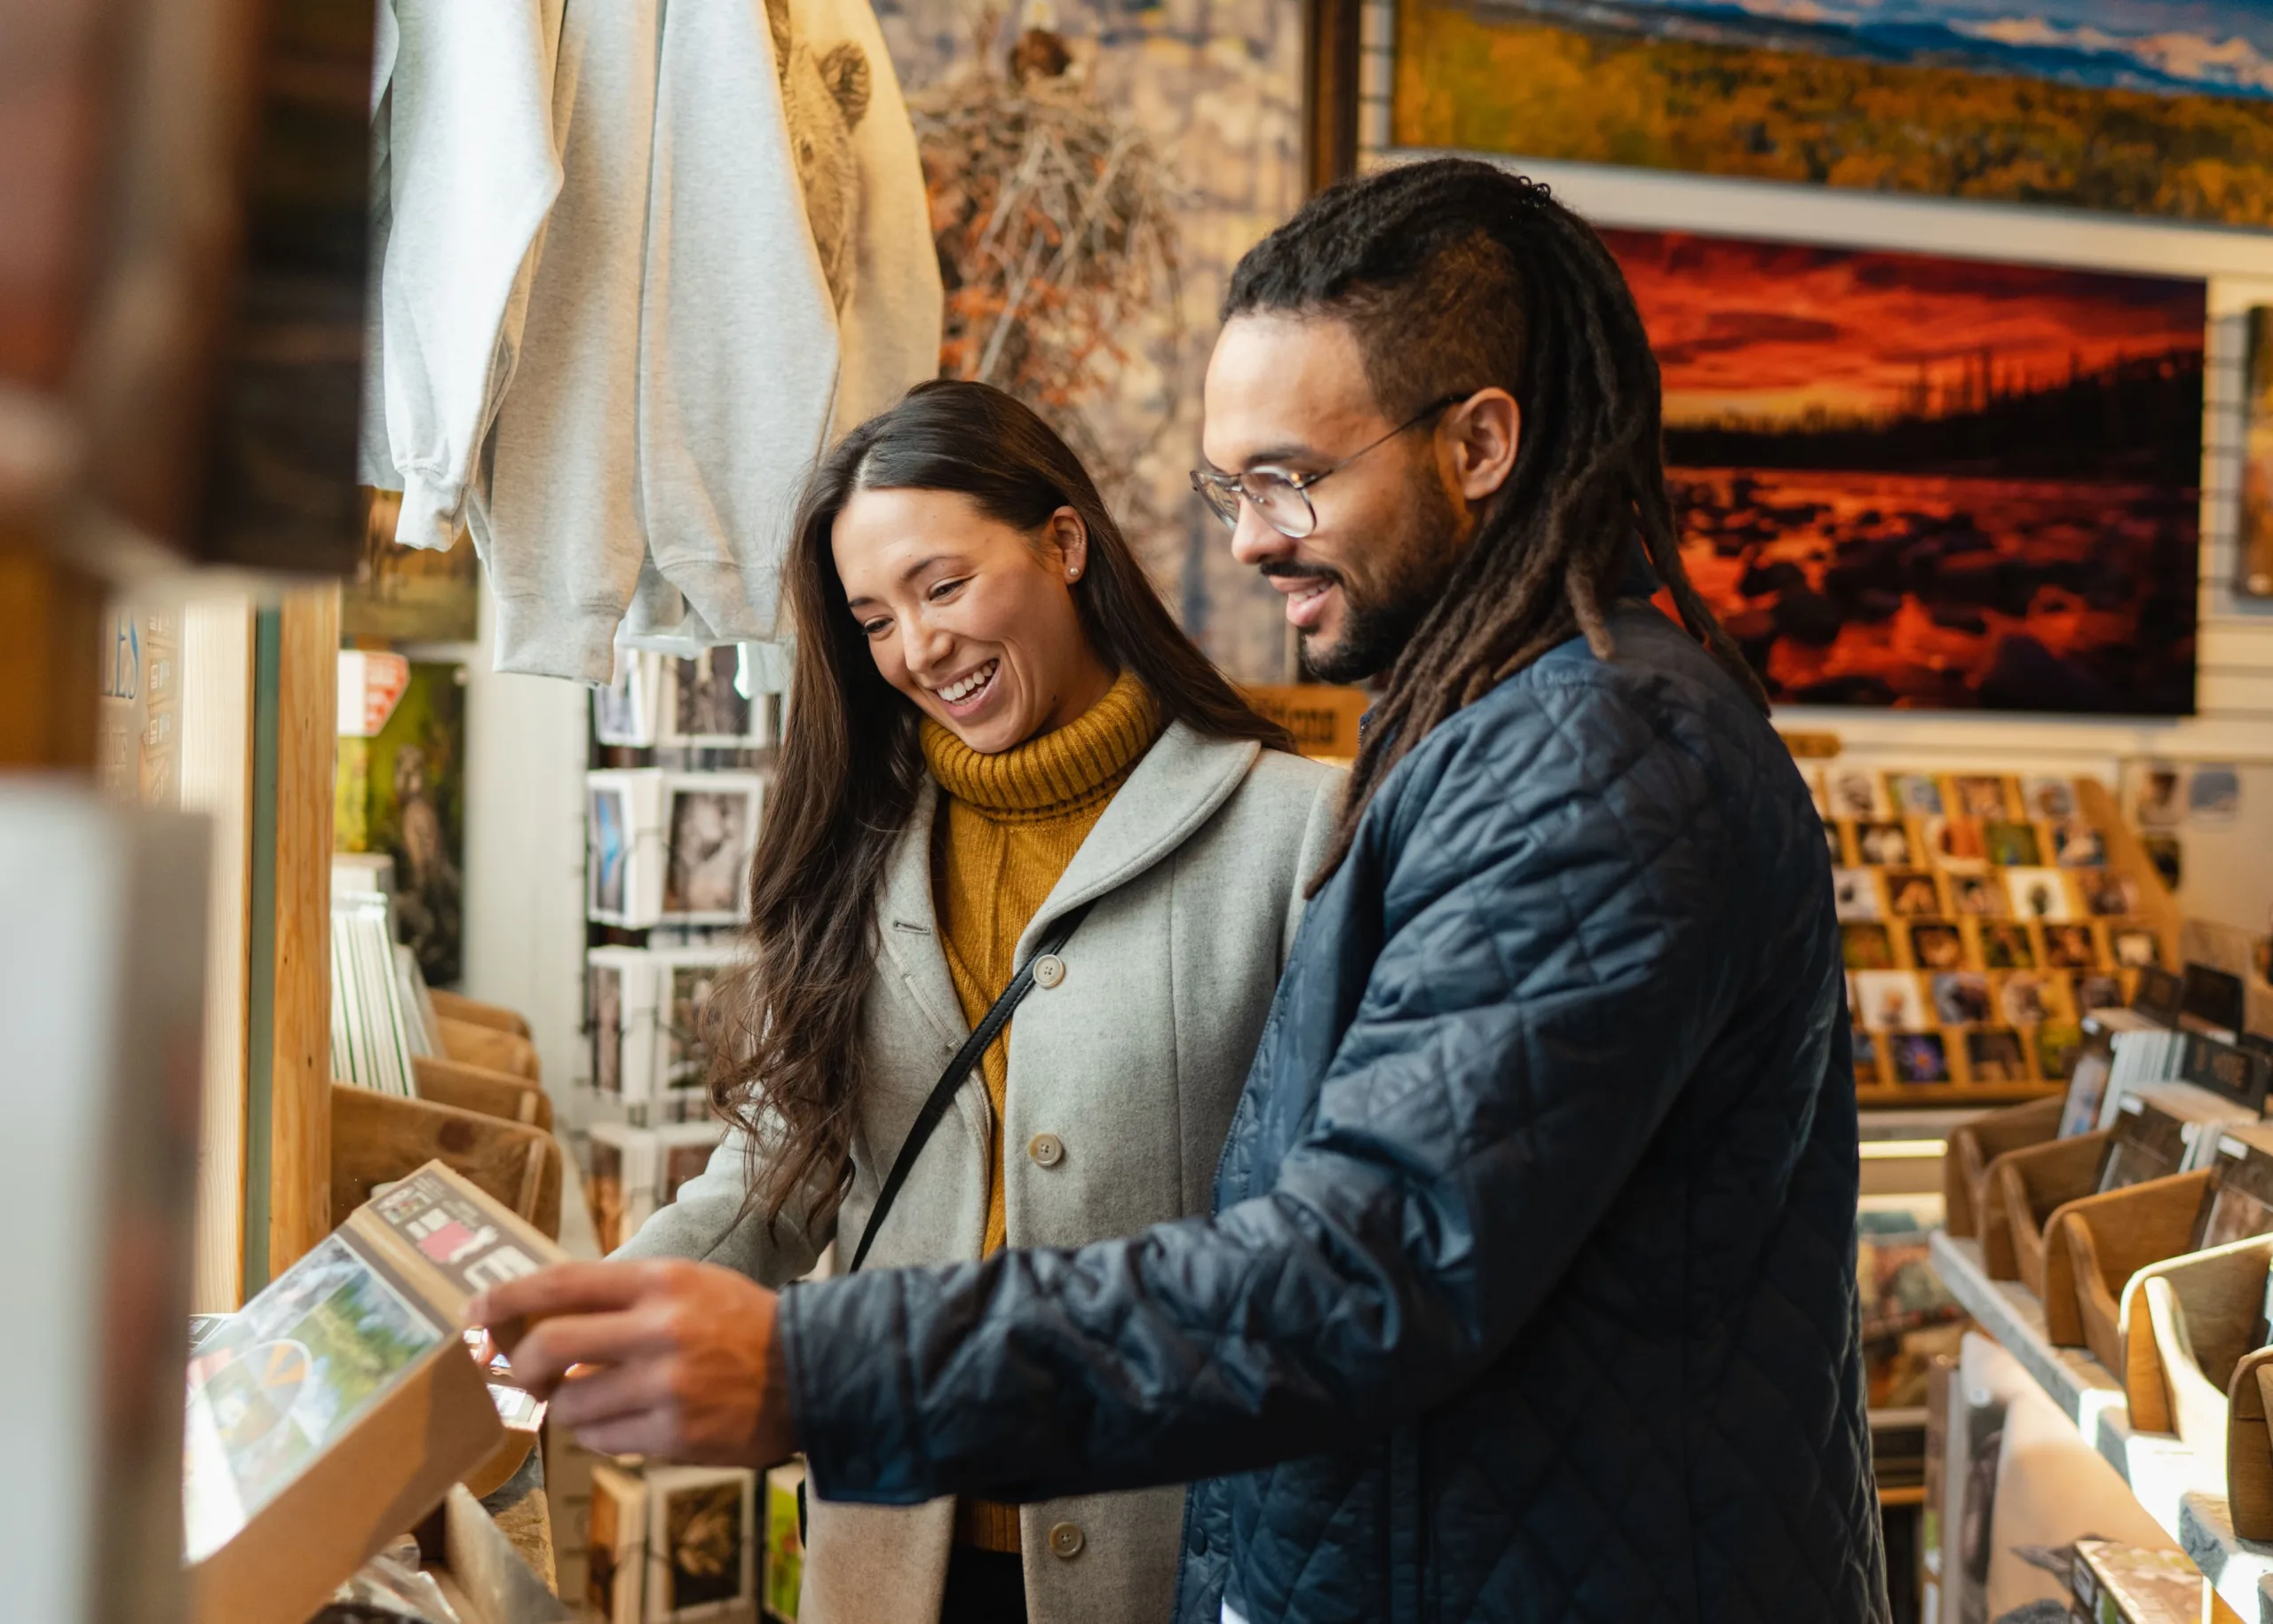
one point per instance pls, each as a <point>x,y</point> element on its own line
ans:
<point>1482,434</point>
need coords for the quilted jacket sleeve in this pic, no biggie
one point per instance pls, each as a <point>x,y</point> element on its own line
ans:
<point>1558,940</point>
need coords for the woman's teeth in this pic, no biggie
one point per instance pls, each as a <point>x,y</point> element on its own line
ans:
<point>954,694</point>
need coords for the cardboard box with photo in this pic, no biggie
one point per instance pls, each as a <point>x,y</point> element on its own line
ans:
<point>1884,844</point>
<point>2005,943</point>
<point>1915,794</point>
<point>625,846</point>
<point>2012,843</point>
<point>1955,844</point>
<point>2026,997</point>
<point>1996,1054</point>
<point>1855,893</point>
<point>1921,1057</point>
<point>701,1544</point>
<point>1983,796</point>
<point>620,1181</point>
<point>2075,843</point>
<point>1857,792</point>
<point>1889,1001</point>
<point>2038,894</point>
<point>711,829</point>
<point>1936,945</point>
<point>1866,945</point>
<point>703,705</point>
<point>2107,895</point>
<point>626,713</point>
<point>2072,944</point>
<point>1977,896</point>
<point>1960,998</point>
<point>1912,894</point>
<point>615,1554</point>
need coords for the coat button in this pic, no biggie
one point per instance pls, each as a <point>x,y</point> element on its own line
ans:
<point>1048,970</point>
<point>1048,1150</point>
<point>1065,1541</point>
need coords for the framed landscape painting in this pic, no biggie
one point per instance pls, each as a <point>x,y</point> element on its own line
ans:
<point>1927,482</point>
<point>2160,107</point>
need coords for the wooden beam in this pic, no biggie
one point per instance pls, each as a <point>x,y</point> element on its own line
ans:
<point>1330,49</point>
<point>51,627</point>
<point>299,1089</point>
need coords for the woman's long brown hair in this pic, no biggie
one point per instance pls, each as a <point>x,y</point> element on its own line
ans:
<point>785,1022</point>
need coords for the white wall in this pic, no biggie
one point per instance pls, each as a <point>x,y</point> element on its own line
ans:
<point>524,856</point>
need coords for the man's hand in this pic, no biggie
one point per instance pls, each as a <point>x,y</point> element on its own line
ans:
<point>675,1359</point>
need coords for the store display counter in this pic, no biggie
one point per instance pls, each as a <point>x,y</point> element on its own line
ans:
<point>2180,1490</point>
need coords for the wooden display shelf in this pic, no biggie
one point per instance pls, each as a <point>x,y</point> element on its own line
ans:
<point>1869,1096</point>
<point>2172,1484</point>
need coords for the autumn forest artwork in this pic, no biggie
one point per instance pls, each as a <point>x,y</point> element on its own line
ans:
<point>1916,481</point>
<point>2160,107</point>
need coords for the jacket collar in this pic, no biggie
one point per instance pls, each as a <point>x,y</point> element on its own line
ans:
<point>1176,789</point>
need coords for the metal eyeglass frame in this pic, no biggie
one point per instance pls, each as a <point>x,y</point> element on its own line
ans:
<point>1231,486</point>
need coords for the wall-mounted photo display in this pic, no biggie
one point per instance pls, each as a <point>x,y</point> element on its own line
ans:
<point>649,1009</point>
<point>624,847</point>
<point>703,707</point>
<point>1934,483</point>
<point>2129,107</point>
<point>710,828</point>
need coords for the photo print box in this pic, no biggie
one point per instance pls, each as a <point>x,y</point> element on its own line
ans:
<point>701,1544</point>
<point>625,714</point>
<point>621,1183</point>
<point>623,1004</point>
<point>685,978</point>
<point>625,846</point>
<point>2240,1204</point>
<point>683,1150</point>
<point>337,1407</point>
<point>615,1550</point>
<point>702,708</point>
<point>710,828</point>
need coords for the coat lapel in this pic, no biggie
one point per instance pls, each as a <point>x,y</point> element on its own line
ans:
<point>1177,787</point>
<point>909,926</point>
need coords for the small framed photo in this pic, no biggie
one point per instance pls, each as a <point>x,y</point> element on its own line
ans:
<point>1855,893</point>
<point>1936,944</point>
<point>1995,1054</point>
<point>701,1544</point>
<point>606,1001</point>
<point>1866,945</point>
<point>1855,792</point>
<point>1912,894</point>
<point>624,837</point>
<point>2005,945</point>
<point>2051,799</point>
<point>2026,998</point>
<point>1914,794</point>
<point>2135,947</point>
<point>704,708</point>
<point>1955,845</point>
<point>624,712</point>
<point>1976,896</point>
<point>683,1150</point>
<point>1981,797</point>
<point>615,1549</point>
<point>1883,845</point>
<point>1960,998</point>
<point>2072,945</point>
<point>2107,895</point>
<point>1919,1057</point>
<point>685,980</point>
<point>1890,1002</point>
<point>1870,1064</point>
<point>2038,893</point>
<point>710,828</point>
<point>2012,843</point>
<point>2077,844</point>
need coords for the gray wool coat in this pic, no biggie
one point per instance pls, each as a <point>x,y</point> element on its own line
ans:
<point>1126,1073</point>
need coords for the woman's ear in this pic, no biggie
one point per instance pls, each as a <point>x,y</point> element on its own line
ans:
<point>1071,537</point>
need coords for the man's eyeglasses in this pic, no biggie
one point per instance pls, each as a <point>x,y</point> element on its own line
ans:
<point>1283,498</point>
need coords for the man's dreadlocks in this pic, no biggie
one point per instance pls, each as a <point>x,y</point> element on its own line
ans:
<point>1453,275</point>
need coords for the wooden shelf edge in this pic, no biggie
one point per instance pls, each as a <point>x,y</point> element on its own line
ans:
<point>2162,1473</point>
<point>1871,1097</point>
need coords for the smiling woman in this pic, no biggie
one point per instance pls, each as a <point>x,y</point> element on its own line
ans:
<point>996,728</point>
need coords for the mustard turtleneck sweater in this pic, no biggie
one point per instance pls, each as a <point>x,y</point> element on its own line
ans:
<point>1009,826</point>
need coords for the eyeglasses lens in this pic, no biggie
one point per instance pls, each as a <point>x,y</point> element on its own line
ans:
<point>1284,507</point>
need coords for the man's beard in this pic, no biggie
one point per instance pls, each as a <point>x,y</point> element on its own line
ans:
<point>1377,623</point>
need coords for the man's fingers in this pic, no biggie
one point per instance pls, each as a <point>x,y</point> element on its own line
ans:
<point>541,1358</point>
<point>565,1288</point>
<point>619,1393</point>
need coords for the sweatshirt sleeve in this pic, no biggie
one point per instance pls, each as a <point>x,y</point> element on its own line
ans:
<point>471,169</point>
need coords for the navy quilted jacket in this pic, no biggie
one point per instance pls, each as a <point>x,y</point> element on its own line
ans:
<point>1531,1292</point>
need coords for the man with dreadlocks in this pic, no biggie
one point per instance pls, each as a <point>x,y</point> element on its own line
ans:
<point>1530,1293</point>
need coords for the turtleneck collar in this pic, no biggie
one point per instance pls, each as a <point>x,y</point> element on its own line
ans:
<point>1051,774</point>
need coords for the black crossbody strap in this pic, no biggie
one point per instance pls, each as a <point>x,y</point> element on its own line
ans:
<point>943,1092</point>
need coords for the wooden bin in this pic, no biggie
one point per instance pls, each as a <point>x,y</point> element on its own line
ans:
<point>2093,1246</point>
<point>475,1088</point>
<point>2031,1185</point>
<point>376,1138</point>
<point>1969,1206</point>
<point>2190,1367</point>
<point>473,1043</point>
<point>457,1006</point>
